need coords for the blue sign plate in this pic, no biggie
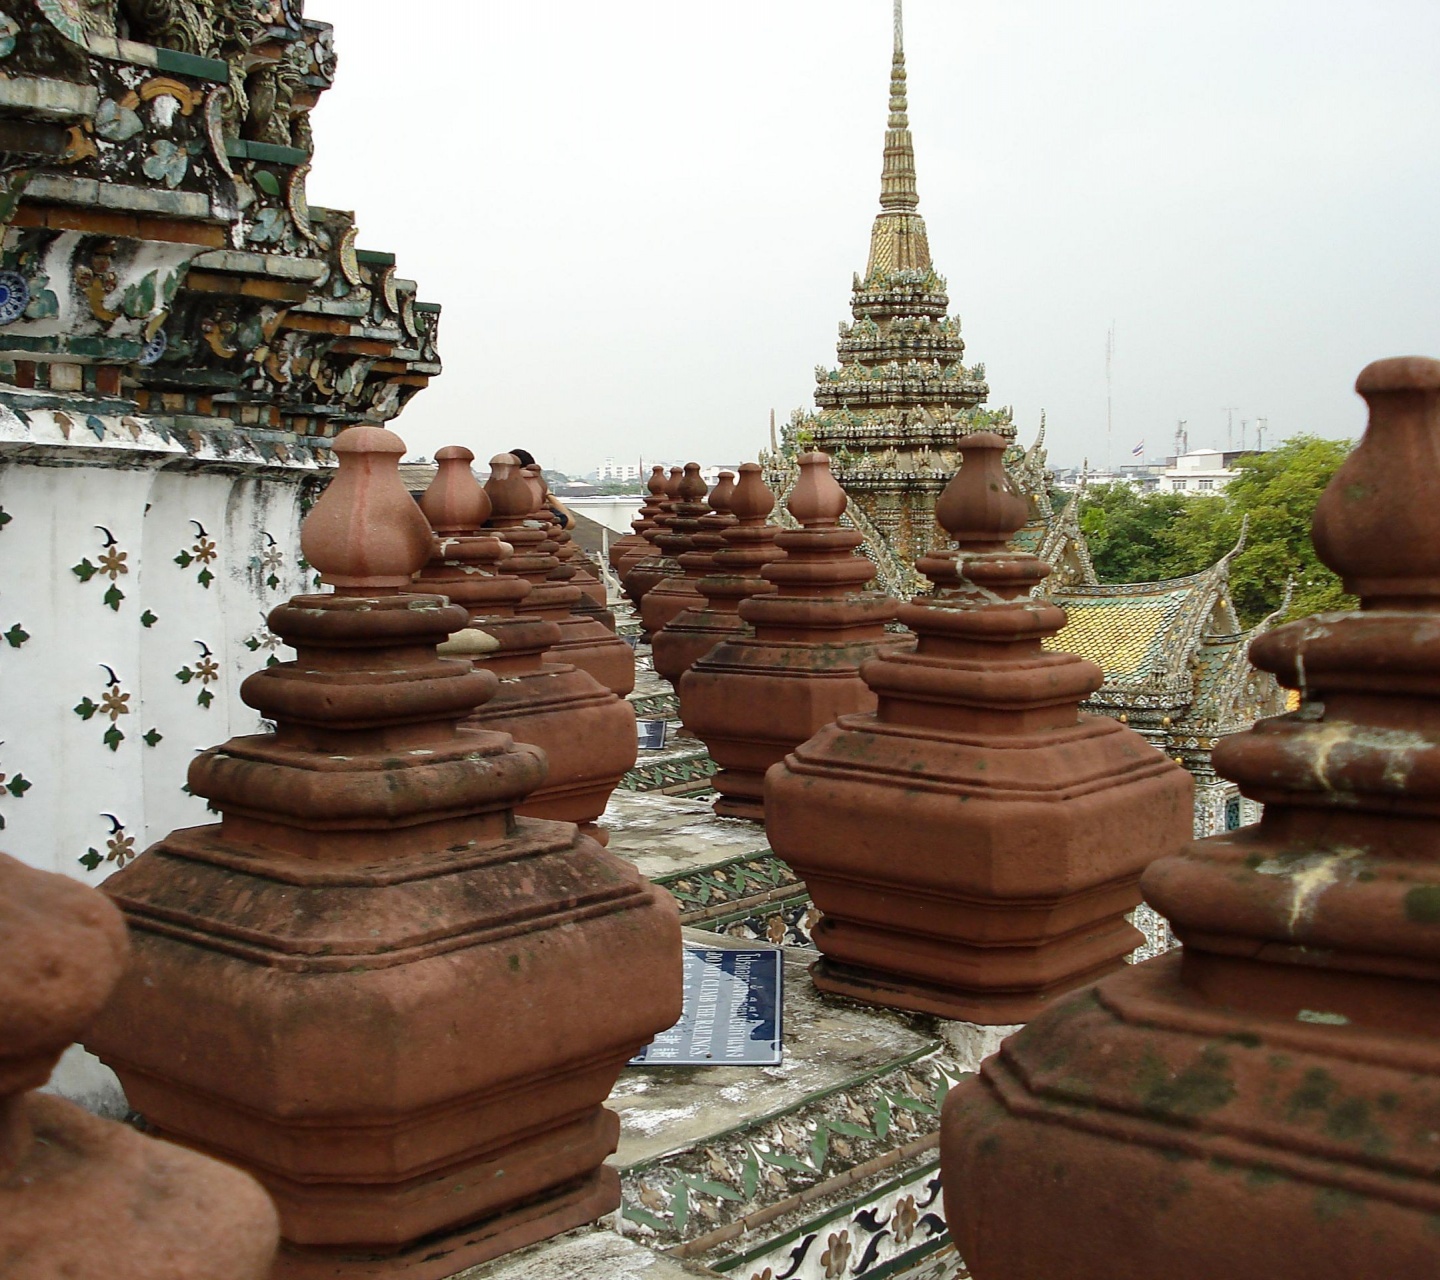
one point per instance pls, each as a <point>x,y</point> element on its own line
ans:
<point>732,1011</point>
<point>651,734</point>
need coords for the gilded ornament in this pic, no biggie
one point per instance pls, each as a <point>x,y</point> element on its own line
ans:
<point>298,205</point>
<point>165,87</point>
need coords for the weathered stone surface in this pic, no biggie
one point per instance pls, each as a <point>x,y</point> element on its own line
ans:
<point>585,730</point>
<point>598,1255</point>
<point>753,698</point>
<point>583,642</point>
<point>81,1196</point>
<point>974,843</point>
<point>371,983</point>
<point>649,509</point>
<point>1263,1102</point>
<point>732,575</point>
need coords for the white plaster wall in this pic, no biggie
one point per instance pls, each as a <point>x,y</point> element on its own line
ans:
<point>133,503</point>
<point>131,513</point>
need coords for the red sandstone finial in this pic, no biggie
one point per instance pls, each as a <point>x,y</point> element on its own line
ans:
<point>455,501</point>
<point>65,948</point>
<point>1375,524</point>
<point>978,508</point>
<point>751,501</point>
<point>656,483</point>
<point>672,485</point>
<point>817,500</point>
<point>721,494</point>
<point>692,484</point>
<point>82,1196</point>
<point>366,535</point>
<point>510,496</point>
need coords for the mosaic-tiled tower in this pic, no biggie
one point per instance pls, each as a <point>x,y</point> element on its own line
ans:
<point>892,413</point>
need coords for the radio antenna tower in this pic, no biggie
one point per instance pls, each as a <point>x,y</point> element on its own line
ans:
<point>1229,411</point>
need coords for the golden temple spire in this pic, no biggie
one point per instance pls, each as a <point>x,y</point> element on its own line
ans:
<point>898,241</point>
<point>897,181</point>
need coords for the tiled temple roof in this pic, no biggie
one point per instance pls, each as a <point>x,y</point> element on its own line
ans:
<point>1139,634</point>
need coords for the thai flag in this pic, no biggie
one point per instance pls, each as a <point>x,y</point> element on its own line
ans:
<point>1138,451</point>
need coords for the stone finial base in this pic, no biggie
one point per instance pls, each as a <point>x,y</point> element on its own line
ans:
<point>438,1258</point>
<point>1211,1144</point>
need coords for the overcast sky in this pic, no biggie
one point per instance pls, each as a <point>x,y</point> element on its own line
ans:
<point>642,217</point>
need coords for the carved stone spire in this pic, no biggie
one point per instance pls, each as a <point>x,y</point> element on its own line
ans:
<point>587,643</point>
<point>586,731</point>
<point>366,536</point>
<point>455,502</point>
<point>81,1196</point>
<point>650,508</point>
<point>644,567</point>
<point>674,541</point>
<point>701,625</point>
<point>672,597</point>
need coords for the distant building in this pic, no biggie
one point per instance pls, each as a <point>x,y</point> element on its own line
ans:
<point>1201,470</point>
<point>612,470</point>
<point>711,474</point>
<point>637,473</point>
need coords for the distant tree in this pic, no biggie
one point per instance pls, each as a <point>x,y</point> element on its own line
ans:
<point>620,488</point>
<point>1137,537</point>
<point>1277,491</point>
<point>1126,531</point>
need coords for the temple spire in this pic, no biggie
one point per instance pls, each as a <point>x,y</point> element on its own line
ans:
<point>898,241</point>
<point>897,181</point>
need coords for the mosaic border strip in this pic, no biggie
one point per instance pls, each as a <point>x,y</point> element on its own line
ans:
<point>735,881</point>
<point>892,1228</point>
<point>755,896</point>
<point>776,1158</point>
<point>656,706</point>
<point>690,771</point>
